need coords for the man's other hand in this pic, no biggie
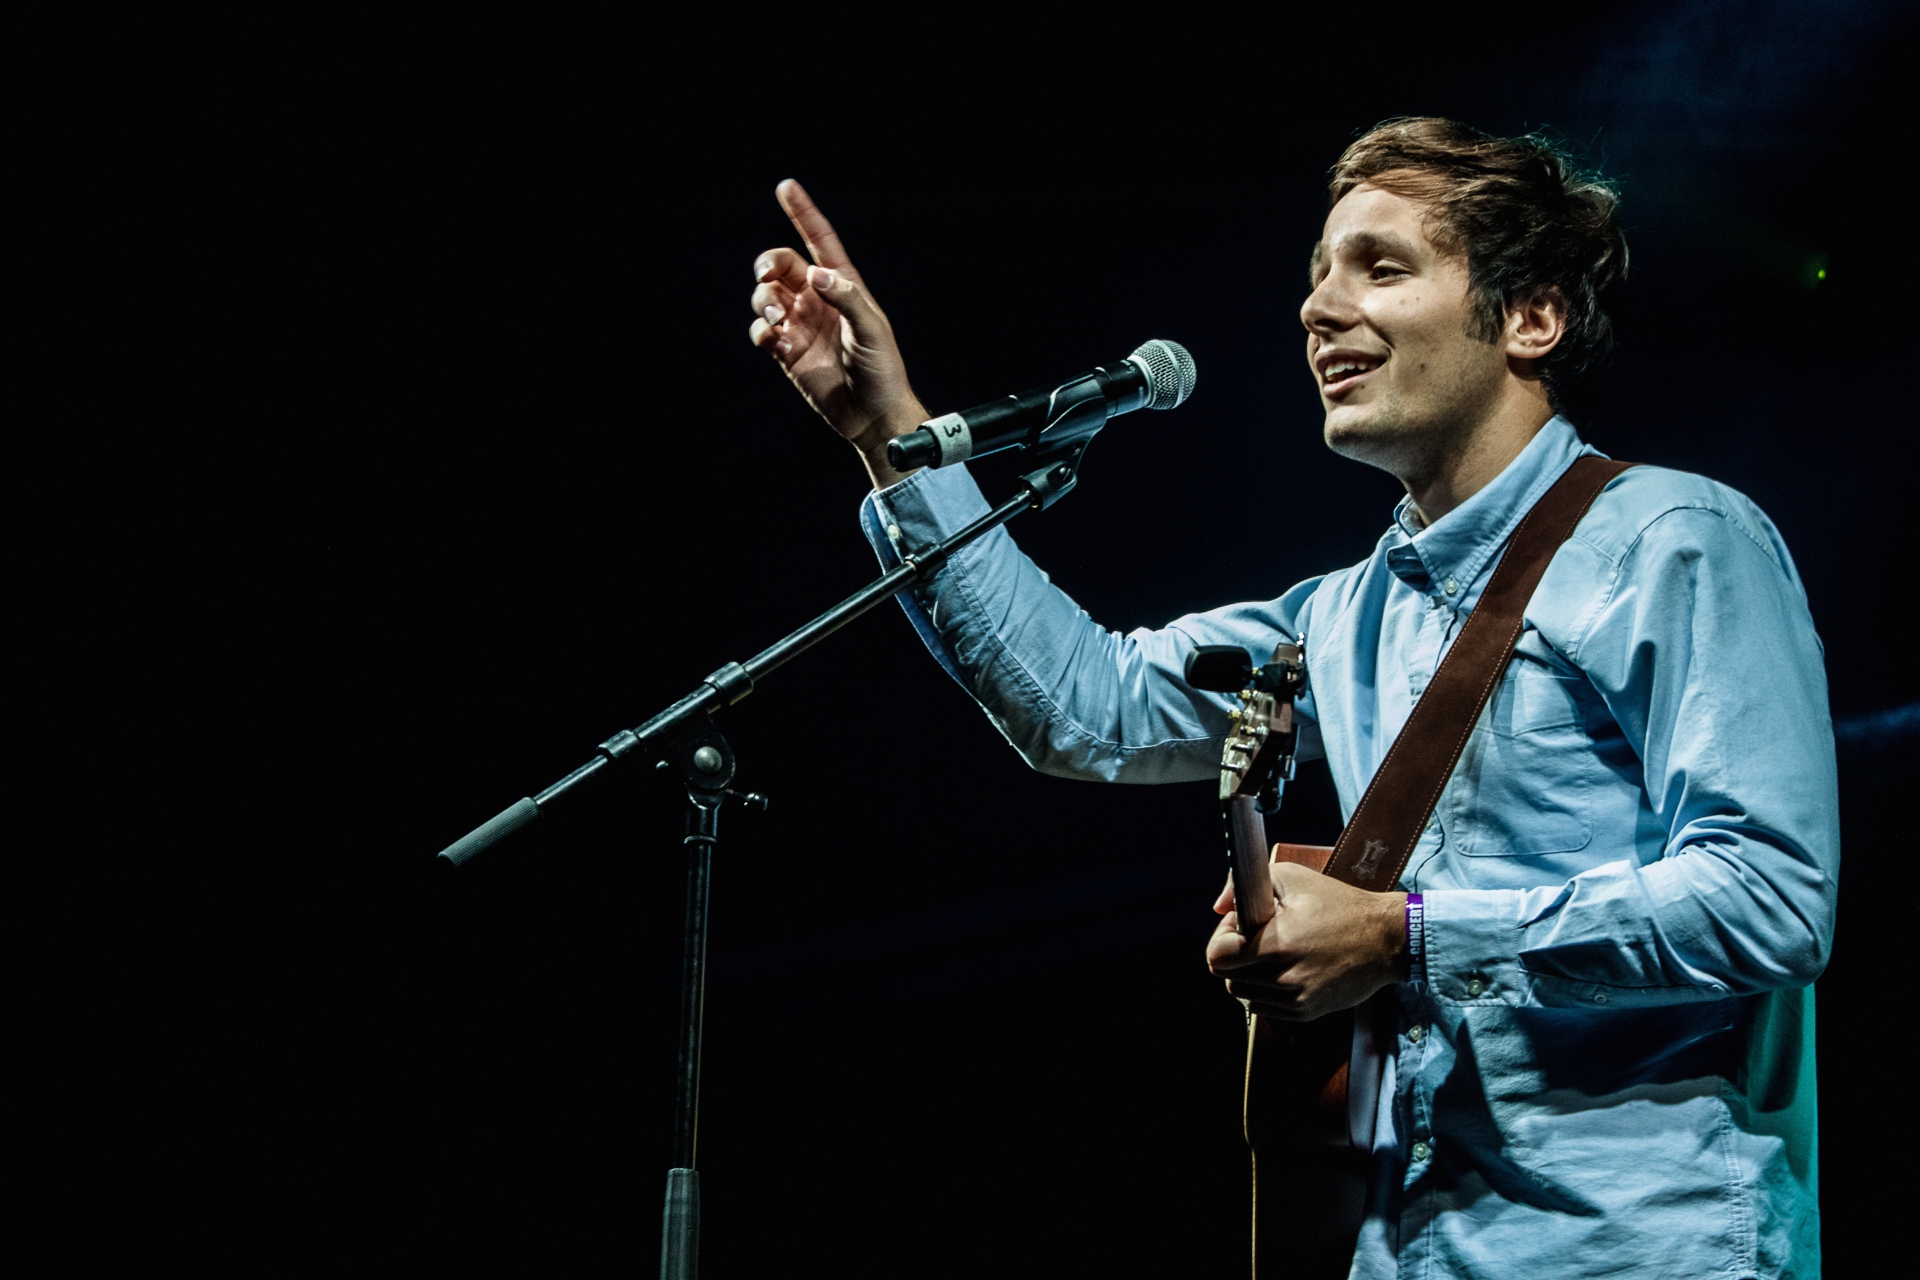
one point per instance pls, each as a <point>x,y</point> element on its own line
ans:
<point>831,338</point>
<point>1328,947</point>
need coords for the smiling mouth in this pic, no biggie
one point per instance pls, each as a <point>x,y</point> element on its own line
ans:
<point>1341,376</point>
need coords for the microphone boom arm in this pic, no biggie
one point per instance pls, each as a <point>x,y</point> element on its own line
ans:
<point>684,732</point>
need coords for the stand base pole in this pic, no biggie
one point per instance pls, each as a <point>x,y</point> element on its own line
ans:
<point>680,1227</point>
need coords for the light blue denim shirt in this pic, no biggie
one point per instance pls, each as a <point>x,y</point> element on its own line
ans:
<point>1629,880</point>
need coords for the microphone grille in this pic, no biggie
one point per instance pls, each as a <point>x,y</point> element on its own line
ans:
<point>1170,372</point>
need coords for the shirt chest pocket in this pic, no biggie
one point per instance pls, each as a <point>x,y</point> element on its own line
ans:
<point>1523,787</point>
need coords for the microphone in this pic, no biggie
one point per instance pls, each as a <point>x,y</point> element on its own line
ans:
<point>1160,375</point>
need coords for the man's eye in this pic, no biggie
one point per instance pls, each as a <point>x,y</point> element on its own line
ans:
<point>1387,270</point>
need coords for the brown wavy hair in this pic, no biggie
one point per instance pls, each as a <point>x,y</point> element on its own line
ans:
<point>1527,220</point>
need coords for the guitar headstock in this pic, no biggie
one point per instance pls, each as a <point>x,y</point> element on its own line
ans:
<point>1259,746</point>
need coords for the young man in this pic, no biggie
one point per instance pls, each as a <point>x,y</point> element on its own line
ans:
<point>1605,1064</point>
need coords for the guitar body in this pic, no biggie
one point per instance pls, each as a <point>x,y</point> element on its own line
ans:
<point>1309,1181</point>
<point>1309,1177</point>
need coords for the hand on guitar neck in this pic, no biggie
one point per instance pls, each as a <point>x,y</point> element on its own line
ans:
<point>1327,947</point>
<point>1312,945</point>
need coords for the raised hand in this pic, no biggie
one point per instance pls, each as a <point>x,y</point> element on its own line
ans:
<point>831,338</point>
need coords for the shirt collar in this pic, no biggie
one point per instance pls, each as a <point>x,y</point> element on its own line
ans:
<point>1456,548</point>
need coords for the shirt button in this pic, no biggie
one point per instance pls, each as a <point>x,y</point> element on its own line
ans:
<point>1475,986</point>
<point>1421,1151</point>
<point>1600,997</point>
<point>893,531</point>
<point>1451,586</point>
<point>1416,1034</point>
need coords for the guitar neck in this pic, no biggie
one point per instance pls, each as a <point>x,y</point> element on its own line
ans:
<point>1252,881</point>
<point>1255,758</point>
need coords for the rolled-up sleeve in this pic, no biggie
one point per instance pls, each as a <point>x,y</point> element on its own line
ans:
<point>1704,652</point>
<point>1074,698</point>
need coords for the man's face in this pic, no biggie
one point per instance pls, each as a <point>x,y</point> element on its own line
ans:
<point>1400,377</point>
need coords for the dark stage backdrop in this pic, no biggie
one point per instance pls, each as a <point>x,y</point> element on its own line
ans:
<point>958,1017</point>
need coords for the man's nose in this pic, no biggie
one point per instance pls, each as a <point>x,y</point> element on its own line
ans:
<point>1328,309</point>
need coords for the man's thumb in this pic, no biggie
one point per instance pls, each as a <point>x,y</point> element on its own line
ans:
<point>838,290</point>
<point>1224,903</point>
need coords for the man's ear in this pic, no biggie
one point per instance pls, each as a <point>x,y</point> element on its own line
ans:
<point>1535,324</point>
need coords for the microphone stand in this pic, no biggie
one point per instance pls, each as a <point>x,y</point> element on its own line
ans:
<point>684,734</point>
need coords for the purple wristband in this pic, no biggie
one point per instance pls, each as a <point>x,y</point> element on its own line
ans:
<point>1416,939</point>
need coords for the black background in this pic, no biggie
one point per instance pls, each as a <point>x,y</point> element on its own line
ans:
<point>958,1016</point>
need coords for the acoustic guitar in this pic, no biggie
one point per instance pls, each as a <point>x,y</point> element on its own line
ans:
<point>1311,1171</point>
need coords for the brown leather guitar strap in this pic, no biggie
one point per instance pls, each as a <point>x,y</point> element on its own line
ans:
<point>1373,850</point>
<point>1310,1138</point>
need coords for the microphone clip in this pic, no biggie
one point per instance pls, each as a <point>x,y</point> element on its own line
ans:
<point>1052,482</point>
<point>1078,412</point>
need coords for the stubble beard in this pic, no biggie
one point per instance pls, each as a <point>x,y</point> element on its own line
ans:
<point>1416,443</point>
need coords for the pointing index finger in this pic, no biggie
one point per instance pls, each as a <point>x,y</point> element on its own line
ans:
<point>822,241</point>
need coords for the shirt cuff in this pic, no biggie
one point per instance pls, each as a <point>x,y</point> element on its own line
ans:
<point>1473,946</point>
<point>911,516</point>
<point>1475,943</point>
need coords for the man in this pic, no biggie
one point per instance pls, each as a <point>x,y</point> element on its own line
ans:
<point>1605,1064</point>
